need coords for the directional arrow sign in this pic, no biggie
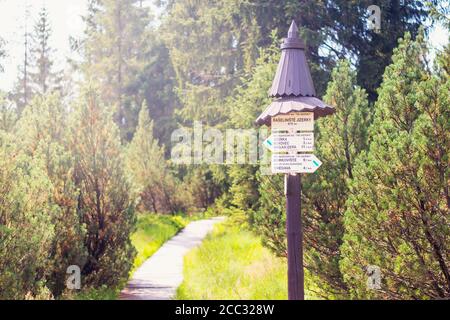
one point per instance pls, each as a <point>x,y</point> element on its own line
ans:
<point>295,163</point>
<point>284,141</point>
<point>297,141</point>
<point>268,143</point>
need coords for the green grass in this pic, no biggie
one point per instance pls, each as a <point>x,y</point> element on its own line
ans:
<point>152,231</point>
<point>103,293</point>
<point>232,264</point>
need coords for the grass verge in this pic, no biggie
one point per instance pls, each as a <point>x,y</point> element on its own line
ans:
<point>151,233</point>
<point>232,264</point>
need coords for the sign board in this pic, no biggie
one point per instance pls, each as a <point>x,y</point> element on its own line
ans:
<point>295,163</point>
<point>294,121</point>
<point>297,141</point>
<point>286,141</point>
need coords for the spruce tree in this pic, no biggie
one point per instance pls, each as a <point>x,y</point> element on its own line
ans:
<point>116,40</point>
<point>42,77</point>
<point>37,75</point>
<point>202,40</point>
<point>244,107</point>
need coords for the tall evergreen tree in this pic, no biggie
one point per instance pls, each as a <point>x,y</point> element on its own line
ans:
<point>116,40</point>
<point>155,85</point>
<point>206,57</point>
<point>37,76</point>
<point>42,77</point>
<point>244,106</point>
<point>398,210</point>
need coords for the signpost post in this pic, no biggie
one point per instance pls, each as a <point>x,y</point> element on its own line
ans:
<point>291,117</point>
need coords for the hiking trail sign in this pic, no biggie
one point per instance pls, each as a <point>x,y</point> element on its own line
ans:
<point>291,117</point>
<point>286,141</point>
<point>302,162</point>
<point>292,133</point>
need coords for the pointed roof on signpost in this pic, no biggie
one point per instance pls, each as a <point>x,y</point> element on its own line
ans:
<point>293,85</point>
<point>293,77</point>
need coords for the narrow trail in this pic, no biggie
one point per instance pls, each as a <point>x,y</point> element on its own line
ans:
<point>159,276</point>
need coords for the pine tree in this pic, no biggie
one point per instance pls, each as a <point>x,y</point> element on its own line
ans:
<point>26,231</point>
<point>42,130</point>
<point>150,174</point>
<point>339,140</point>
<point>398,210</point>
<point>155,85</point>
<point>104,201</point>
<point>260,196</point>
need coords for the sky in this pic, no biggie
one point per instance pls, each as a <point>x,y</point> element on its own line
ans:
<point>65,17</point>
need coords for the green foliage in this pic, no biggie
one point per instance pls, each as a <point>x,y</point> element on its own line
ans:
<point>245,105</point>
<point>269,220</point>
<point>203,185</point>
<point>101,293</point>
<point>149,171</point>
<point>43,135</point>
<point>156,83</point>
<point>397,217</point>
<point>232,264</point>
<point>339,140</point>
<point>200,39</point>
<point>26,232</point>
<point>104,203</point>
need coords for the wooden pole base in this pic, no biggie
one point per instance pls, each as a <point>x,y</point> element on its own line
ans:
<point>294,232</point>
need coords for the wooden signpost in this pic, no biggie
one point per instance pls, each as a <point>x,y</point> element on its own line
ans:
<point>291,118</point>
<point>292,135</point>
